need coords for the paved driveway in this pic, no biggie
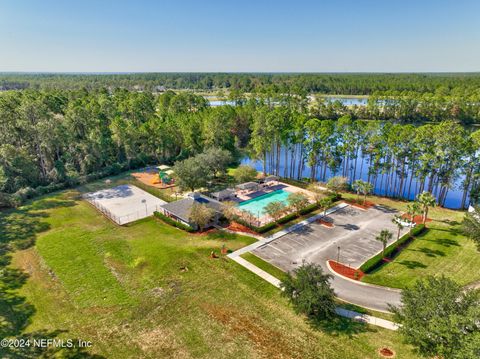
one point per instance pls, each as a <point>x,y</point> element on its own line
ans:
<point>354,232</point>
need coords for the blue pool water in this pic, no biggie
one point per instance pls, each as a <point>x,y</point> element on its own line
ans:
<point>257,205</point>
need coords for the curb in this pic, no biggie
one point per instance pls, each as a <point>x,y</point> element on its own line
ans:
<point>362,283</point>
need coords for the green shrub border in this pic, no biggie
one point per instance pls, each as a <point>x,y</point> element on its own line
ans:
<point>173,223</point>
<point>377,260</point>
<point>289,217</point>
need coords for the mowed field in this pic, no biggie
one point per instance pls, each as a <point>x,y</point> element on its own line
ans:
<point>148,290</point>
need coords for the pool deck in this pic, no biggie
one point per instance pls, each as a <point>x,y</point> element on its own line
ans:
<point>243,196</point>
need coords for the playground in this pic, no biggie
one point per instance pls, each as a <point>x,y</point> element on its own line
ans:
<point>157,176</point>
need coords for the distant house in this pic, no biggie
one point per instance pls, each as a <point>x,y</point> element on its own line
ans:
<point>180,210</point>
<point>225,194</point>
<point>160,89</point>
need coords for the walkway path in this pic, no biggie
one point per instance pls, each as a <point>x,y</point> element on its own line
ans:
<point>340,311</point>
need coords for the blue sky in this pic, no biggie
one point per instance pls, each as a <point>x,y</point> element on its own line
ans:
<point>318,36</point>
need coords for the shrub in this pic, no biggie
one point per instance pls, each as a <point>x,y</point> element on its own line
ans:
<point>309,208</point>
<point>173,223</point>
<point>391,250</point>
<point>308,289</point>
<point>244,173</point>
<point>287,218</point>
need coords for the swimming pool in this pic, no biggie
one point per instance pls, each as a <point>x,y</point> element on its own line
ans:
<point>257,205</point>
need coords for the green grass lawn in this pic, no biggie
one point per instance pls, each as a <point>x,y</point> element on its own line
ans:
<point>148,290</point>
<point>437,251</point>
<point>263,265</point>
<point>441,250</point>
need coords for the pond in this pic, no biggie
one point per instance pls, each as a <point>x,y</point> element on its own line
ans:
<point>348,101</point>
<point>453,199</point>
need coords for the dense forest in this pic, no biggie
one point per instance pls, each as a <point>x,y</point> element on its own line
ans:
<point>325,83</point>
<point>56,138</point>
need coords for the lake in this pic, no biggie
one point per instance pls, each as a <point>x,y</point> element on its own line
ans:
<point>453,199</point>
<point>347,101</point>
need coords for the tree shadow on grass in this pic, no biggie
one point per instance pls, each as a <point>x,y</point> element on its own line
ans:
<point>338,326</point>
<point>412,264</point>
<point>445,242</point>
<point>430,252</point>
<point>18,230</point>
<point>449,222</point>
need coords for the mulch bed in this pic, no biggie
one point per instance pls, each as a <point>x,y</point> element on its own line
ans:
<point>417,219</point>
<point>151,179</point>
<point>325,223</point>
<point>386,352</point>
<point>237,227</point>
<point>360,204</point>
<point>348,272</point>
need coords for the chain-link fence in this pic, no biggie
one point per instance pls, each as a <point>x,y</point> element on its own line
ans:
<point>125,218</point>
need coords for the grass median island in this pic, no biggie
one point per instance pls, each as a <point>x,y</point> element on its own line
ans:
<point>151,290</point>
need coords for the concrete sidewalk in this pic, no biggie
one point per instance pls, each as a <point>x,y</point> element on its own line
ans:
<point>340,311</point>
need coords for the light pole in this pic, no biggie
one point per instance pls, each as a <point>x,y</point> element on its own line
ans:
<point>144,201</point>
<point>338,254</point>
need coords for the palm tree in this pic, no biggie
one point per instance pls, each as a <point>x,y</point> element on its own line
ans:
<point>384,236</point>
<point>362,187</point>
<point>412,210</point>
<point>426,199</point>
<point>318,194</point>
<point>324,203</point>
<point>397,220</point>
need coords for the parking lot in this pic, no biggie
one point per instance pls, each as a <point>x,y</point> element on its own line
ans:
<point>354,232</point>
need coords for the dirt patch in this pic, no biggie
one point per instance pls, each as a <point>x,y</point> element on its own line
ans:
<point>237,227</point>
<point>268,342</point>
<point>349,272</point>
<point>417,219</point>
<point>162,342</point>
<point>151,179</point>
<point>204,233</point>
<point>386,352</point>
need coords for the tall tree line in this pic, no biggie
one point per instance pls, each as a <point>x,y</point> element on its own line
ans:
<point>326,83</point>
<point>55,136</point>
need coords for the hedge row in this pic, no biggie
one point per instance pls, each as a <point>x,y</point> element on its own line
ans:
<point>173,222</point>
<point>377,260</point>
<point>155,191</point>
<point>269,226</point>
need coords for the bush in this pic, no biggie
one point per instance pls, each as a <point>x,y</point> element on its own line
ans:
<point>309,208</point>
<point>265,228</point>
<point>377,260</point>
<point>287,218</point>
<point>173,223</point>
